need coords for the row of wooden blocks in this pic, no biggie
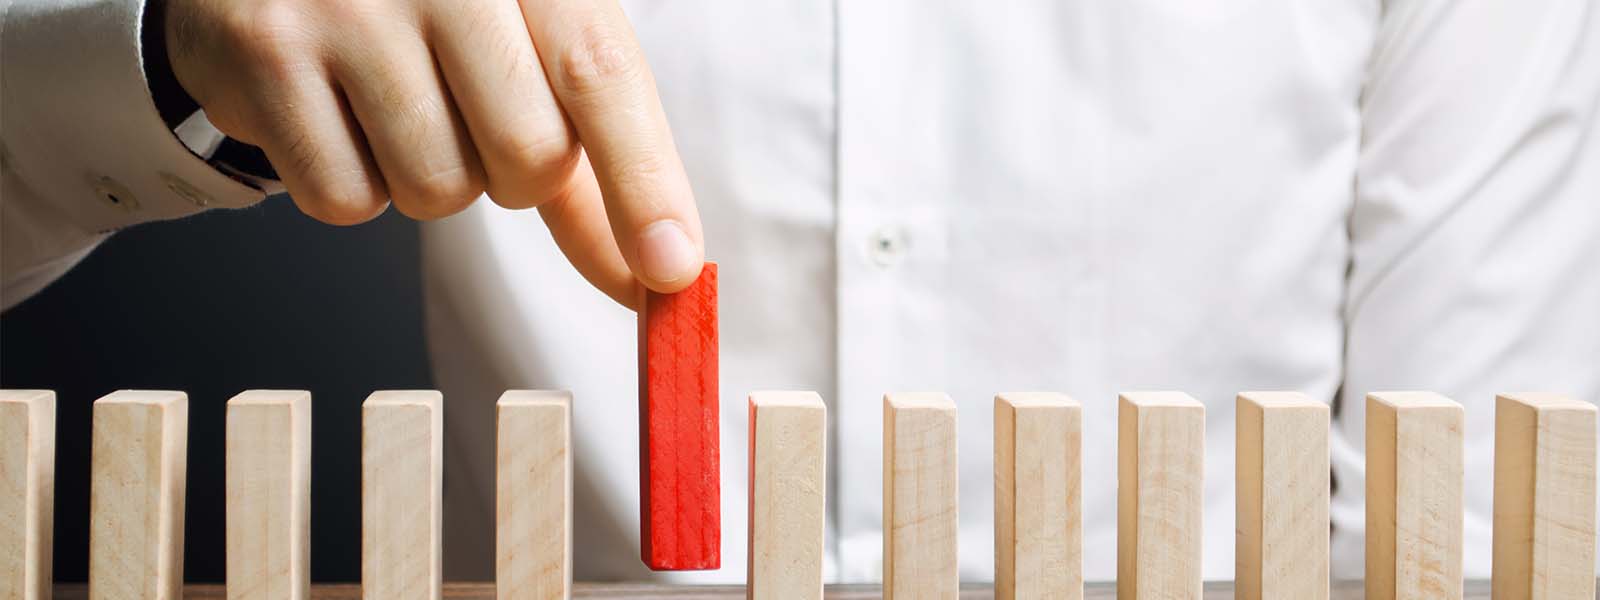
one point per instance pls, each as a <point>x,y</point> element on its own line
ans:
<point>1544,496</point>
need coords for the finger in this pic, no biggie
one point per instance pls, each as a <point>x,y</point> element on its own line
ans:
<point>527,148</point>
<point>420,143</point>
<point>576,217</point>
<point>287,104</point>
<point>314,144</point>
<point>599,75</point>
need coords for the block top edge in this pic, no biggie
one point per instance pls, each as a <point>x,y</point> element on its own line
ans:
<point>535,398</point>
<point>272,397</point>
<point>1282,400</point>
<point>937,400</point>
<point>1547,400</point>
<point>1036,399</point>
<point>786,398</point>
<point>26,396</point>
<point>151,397</point>
<point>1160,399</point>
<point>428,398</point>
<point>1413,399</point>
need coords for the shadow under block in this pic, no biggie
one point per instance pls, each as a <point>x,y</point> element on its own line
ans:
<point>268,487</point>
<point>919,497</point>
<point>1544,497</point>
<point>27,492</point>
<point>136,495</point>
<point>1414,487</point>
<point>1038,497</point>
<point>788,490</point>
<point>1281,539</point>
<point>680,500</point>
<point>402,455</point>
<point>533,495</point>
<point>1160,482</point>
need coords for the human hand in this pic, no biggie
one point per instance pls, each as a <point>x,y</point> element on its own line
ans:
<point>429,103</point>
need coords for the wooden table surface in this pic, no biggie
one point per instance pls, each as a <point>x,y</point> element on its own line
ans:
<point>1350,590</point>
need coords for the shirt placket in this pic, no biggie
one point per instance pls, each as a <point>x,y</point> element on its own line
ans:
<point>890,245</point>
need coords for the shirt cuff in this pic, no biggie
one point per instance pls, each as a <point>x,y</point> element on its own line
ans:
<point>81,128</point>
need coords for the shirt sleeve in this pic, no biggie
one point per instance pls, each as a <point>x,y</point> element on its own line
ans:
<point>1475,229</point>
<point>85,151</point>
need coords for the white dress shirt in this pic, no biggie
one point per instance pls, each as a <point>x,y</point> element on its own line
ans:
<point>1332,197</point>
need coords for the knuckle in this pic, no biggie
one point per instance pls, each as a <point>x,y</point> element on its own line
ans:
<point>421,114</point>
<point>364,12</point>
<point>534,143</point>
<point>526,168</point>
<point>528,192</point>
<point>547,159</point>
<point>650,170</point>
<point>600,58</point>
<point>243,63</point>
<point>527,157</point>
<point>437,194</point>
<point>273,39</point>
<point>327,190</point>
<point>261,48</point>
<point>340,204</point>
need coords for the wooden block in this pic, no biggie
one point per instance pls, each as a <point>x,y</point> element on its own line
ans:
<point>1281,540</point>
<point>680,503</point>
<point>920,495</point>
<point>533,495</point>
<point>1160,482</point>
<point>788,492</point>
<point>137,469</point>
<point>1038,497</point>
<point>27,492</point>
<point>1414,486</point>
<point>402,455</point>
<point>1544,497</point>
<point>268,485</point>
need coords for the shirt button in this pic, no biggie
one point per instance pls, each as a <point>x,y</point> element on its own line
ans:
<point>113,193</point>
<point>887,246</point>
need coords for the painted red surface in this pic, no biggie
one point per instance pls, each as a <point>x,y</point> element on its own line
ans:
<point>680,488</point>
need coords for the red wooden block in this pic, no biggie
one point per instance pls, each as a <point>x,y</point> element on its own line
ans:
<point>680,486</point>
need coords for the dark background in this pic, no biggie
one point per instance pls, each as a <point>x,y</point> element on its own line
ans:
<point>213,305</point>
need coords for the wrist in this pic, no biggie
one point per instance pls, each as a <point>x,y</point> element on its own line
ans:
<point>242,162</point>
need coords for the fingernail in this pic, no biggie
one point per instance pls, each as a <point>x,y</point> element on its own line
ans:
<point>665,252</point>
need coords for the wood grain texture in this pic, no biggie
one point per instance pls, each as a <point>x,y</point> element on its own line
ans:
<point>402,454</point>
<point>1038,497</point>
<point>680,501</point>
<point>1414,487</point>
<point>533,495</point>
<point>137,476</point>
<point>788,495</point>
<point>920,492</point>
<point>268,491</point>
<point>27,492</point>
<point>1344,590</point>
<point>1282,487</point>
<point>1160,486</point>
<point>1544,497</point>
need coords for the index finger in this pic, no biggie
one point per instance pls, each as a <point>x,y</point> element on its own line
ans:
<point>599,75</point>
